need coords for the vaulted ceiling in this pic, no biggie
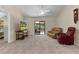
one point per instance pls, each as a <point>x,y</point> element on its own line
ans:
<point>40,10</point>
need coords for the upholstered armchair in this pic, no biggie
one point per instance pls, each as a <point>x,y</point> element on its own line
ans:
<point>68,37</point>
<point>53,33</point>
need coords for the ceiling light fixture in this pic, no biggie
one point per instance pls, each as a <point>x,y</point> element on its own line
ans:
<point>44,11</point>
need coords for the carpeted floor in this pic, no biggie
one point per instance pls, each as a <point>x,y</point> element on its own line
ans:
<point>39,44</point>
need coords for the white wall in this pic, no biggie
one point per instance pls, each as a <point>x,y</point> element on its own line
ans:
<point>65,20</point>
<point>15,14</point>
<point>50,23</point>
<point>13,20</point>
<point>11,29</point>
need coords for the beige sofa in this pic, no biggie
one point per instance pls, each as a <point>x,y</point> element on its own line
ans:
<point>54,31</point>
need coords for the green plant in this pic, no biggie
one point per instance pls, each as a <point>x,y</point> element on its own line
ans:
<point>23,26</point>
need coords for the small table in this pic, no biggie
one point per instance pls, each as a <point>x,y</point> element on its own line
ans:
<point>25,33</point>
<point>1,35</point>
<point>19,35</point>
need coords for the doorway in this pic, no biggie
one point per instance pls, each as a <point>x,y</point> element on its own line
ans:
<point>3,26</point>
<point>39,27</point>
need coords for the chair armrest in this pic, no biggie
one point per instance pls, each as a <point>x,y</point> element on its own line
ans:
<point>49,31</point>
<point>59,34</point>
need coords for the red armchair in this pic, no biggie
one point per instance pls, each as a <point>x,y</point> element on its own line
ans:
<point>68,37</point>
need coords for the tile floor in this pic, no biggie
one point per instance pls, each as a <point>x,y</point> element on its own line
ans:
<point>39,44</point>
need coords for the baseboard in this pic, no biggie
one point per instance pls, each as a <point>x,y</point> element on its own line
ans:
<point>77,44</point>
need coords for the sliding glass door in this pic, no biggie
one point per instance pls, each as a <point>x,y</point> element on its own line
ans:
<point>39,27</point>
<point>42,27</point>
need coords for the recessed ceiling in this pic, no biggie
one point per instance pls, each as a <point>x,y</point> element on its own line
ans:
<point>40,10</point>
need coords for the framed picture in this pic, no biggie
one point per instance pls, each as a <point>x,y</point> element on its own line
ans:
<point>75,15</point>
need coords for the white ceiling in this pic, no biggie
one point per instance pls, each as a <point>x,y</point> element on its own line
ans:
<point>40,10</point>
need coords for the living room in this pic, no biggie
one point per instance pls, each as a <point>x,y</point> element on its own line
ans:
<point>37,40</point>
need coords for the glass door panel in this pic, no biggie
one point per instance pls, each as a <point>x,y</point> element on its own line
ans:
<point>42,27</point>
<point>39,27</point>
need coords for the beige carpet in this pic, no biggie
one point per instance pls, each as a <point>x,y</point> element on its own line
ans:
<point>39,44</point>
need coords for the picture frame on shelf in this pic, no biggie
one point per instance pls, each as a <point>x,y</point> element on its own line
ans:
<point>75,15</point>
